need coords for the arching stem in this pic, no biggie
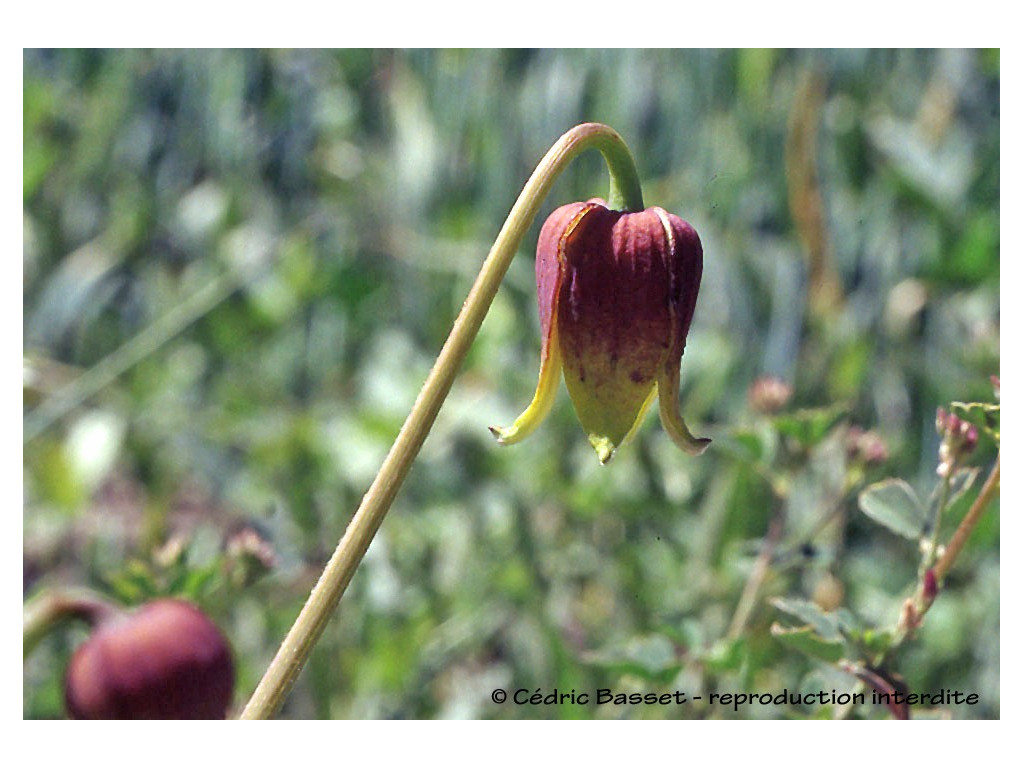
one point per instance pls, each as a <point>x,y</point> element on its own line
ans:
<point>624,194</point>
<point>50,609</point>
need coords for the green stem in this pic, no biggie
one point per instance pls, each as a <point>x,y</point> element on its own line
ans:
<point>45,612</point>
<point>298,644</point>
<point>933,545</point>
<point>748,598</point>
<point>624,193</point>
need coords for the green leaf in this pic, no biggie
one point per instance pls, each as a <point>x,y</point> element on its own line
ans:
<point>849,622</point>
<point>961,482</point>
<point>194,583</point>
<point>809,427</point>
<point>876,641</point>
<point>825,624</point>
<point>748,446</point>
<point>806,640</point>
<point>752,445</point>
<point>725,656</point>
<point>133,583</point>
<point>653,657</point>
<point>894,504</point>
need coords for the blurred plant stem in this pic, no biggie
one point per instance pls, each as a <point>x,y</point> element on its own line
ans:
<point>52,608</point>
<point>968,524</point>
<point>806,202</point>
<point>933,543</point>
<point>625,194</point>
<point>915,608</point>
<point>130,353</point>
<point>748,599</point>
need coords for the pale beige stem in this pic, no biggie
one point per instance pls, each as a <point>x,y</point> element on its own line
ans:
<point>295,650</point>
<point>968,524</point>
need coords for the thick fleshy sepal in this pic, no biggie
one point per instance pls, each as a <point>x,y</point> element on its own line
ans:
<point>543,399</point>
<point>548,279</point>
<point>688,264</point>
<point>672,419</point>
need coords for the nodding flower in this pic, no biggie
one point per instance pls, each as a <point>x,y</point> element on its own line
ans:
<point>616,293</point>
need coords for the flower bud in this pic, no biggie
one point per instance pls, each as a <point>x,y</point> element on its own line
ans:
<point>970,438</point>
<point>250,556</point>
<point>616,293</point>
<point>866,446</point>
<point>959,438</point>
<point>166,660</point>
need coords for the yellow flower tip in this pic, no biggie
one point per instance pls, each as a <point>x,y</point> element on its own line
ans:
<point>537,410</point>
<point>605,448</point>
<point>510,435</point>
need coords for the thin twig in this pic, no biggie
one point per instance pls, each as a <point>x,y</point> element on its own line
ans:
<point>748,598</point>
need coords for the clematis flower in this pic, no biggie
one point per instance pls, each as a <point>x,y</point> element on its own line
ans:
<point>616,293</point>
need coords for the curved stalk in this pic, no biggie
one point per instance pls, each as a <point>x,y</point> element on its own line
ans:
<point>625,194</point>
<point>46,611</point>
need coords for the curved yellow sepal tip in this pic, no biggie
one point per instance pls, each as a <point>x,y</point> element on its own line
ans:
<point>674,424</point>
<point>543,399</point>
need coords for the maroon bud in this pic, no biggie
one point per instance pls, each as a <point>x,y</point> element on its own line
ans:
<point>970,438</point>
<point>930,587</point>
<point>959,438</point>
<point>164,661</point>
<point>866,446</point>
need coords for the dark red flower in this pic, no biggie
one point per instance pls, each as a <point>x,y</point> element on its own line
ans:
<point>616,293</point>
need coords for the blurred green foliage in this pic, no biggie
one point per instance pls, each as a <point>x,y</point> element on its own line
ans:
<point>340,203</point>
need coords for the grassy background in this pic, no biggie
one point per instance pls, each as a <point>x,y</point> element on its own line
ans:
<point>311,222</point>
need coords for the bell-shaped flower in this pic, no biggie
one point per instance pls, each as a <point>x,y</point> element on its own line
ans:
<point>616,293</point>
